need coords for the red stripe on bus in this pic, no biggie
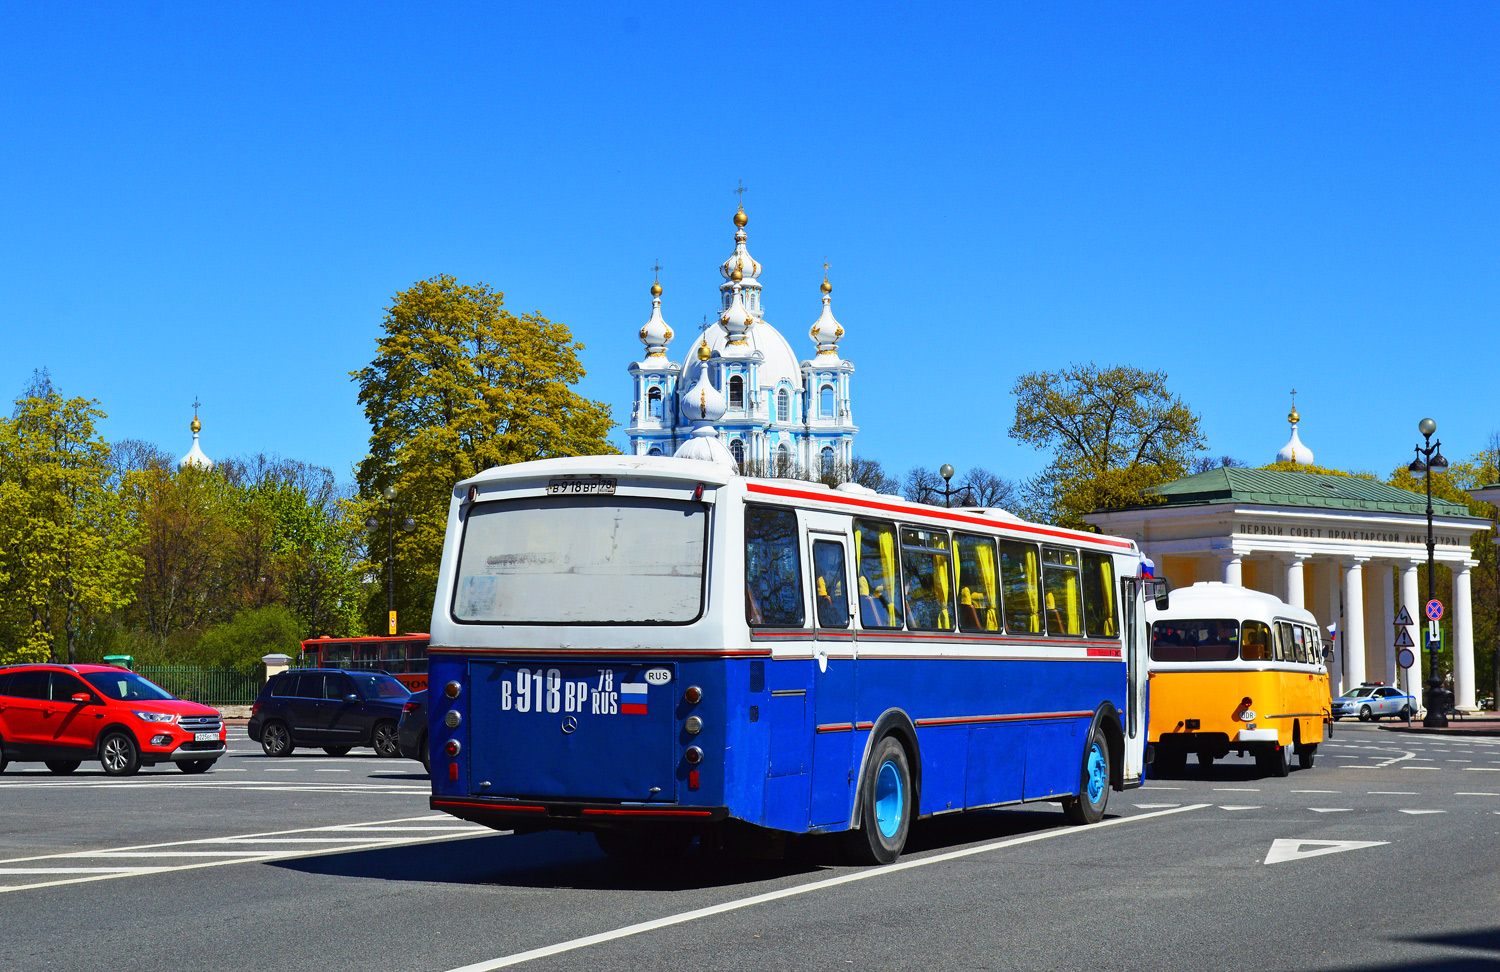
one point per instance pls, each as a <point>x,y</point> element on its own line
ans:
<point>487,806</point>
<point>648,813</point>
<point>837,727</point>
<point>933,514</point>
<point>970,720</point>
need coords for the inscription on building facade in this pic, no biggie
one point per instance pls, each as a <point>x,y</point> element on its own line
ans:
<point>1326,533</point>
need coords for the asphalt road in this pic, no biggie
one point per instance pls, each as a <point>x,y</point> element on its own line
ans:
<point>1382,857</point>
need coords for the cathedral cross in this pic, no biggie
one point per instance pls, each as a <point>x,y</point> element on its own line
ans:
<point>195,404</point>
<point>741,192</point>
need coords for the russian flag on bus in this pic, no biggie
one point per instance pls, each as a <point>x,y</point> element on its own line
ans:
<point>1148,568</point>
<point>633,698</point>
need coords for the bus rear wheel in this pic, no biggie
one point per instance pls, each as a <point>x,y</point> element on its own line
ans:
<point>1306,755</point>
<point>1273,761</point>
<point>885,806</point>
<point>1093,784</point>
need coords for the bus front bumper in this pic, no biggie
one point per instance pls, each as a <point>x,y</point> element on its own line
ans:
<point>571,814</point>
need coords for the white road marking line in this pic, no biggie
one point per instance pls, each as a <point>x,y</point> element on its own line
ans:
<point>169,853</point>
<point>1291,850</point>
<point>727,906</point>
<point>1238,808</point>
<point>1330,809</point>
<point>1467,793</point>
<point>1417,812</point>
<point>1345,756</point>
<point>293,840</point>
<point>1391,793</point>
<point>1155,806</point>
<point>1236,789</point>
<point>1460,761</point>
<point>1433,768</point>
<point>1398,759</point>
<point>1317,791</point>
<point>1481,769</point>
<point>273,769</point>
<point>76,870</point>
<point>331,771</point>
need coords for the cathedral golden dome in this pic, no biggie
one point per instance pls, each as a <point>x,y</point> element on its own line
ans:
<point>1293,417</point>
<point>196,425</point>
<point>736,275</point>
<point>703,351</point>
<point>655,288</point>
<point>827,287</point>
<point>740,219</point>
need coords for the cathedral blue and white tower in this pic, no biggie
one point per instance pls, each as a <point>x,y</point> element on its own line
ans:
<point>781,415</point>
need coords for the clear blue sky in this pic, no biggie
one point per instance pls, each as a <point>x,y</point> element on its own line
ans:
<point>219,200</point>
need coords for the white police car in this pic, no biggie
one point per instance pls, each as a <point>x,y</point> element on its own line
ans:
<point>1374,700</point>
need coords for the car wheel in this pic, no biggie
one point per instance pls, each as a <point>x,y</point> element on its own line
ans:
<point>62,767</point>
<point>1093,785</point>
<point>336,750</point>
<point>886,801</point>
<point>384,740</point>
<point>120,754</point>
<point>426,755</point>
<point>1364,713</point>
<point>1405,713</point>
<point>1305,757</point>
<point>195,766</point>
<point>276,739</point>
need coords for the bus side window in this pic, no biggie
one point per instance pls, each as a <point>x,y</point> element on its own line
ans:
<point>773,567</point>
<point>978,583</point>
<point>1099,611</point>
<point>928,569</point>
<point>1021,583</point>
<point>1060,581</point>
<point>1255,641</point>
<point>1299,635</point>
<point>828,568</point>
<point>879,574</point>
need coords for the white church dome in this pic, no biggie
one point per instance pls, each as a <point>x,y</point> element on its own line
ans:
<point>195,456</point>
<point>1294,450</point>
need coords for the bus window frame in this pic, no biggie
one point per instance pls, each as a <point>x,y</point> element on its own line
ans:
<point>798,535</point>
<point>920,550</point>
<point>900,579</point>
<point>1077,570</point>
<point>997,604</point>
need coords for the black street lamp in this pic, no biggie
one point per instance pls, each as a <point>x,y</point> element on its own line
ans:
<point>1430,460</point>
<point>947,473</point>
<point>407,526</point>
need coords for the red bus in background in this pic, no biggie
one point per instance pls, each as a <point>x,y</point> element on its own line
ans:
<point>404,656</point>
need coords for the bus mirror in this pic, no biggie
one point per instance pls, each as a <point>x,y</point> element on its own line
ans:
<point>1160,589</point>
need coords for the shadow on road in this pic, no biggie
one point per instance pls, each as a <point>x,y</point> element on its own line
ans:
<point>566,860</point>
<point>1485,942</point>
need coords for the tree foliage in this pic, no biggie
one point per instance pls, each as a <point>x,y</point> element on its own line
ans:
<point>1113,433</point>
<point>459,384</point>
<point>65,535</point>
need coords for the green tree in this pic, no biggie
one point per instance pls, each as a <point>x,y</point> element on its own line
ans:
<point>459,384</point>
<point>65,534</point>
<point>240,642</point>
<point>1113,432</point>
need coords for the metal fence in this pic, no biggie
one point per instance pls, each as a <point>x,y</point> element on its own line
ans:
<point>210,686</point>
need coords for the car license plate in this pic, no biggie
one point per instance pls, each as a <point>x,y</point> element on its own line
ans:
<point>205,737</point>
<point>581,487</point>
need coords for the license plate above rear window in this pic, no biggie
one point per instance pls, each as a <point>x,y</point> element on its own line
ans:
<point>205,737</point>
<point>595,486</point>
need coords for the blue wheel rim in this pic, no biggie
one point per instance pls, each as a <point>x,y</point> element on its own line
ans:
<point>1098,773</point>
<point>890,798</point>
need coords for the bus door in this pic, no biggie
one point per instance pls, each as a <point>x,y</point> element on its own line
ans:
<point>834,659</point>
<point>1136,643</point>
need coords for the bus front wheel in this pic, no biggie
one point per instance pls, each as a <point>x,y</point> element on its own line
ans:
<point>1093,784</point>
<point>885,806</point>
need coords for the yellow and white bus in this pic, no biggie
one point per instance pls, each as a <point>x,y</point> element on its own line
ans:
<point>1233,669</point>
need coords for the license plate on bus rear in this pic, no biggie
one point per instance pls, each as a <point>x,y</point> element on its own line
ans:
<point>581,487</point>
<point>205,737</point>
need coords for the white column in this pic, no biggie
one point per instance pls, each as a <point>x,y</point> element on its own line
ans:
<point>1352,634</point>
<point>1294,588</point>
<point>1412,684</point>
<point>1233,570</point>
<point>1388,618</point>
<point>1335,667</point>
<point>1463,639</point>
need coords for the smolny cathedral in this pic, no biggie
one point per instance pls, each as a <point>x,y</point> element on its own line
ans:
<point>741,393</point>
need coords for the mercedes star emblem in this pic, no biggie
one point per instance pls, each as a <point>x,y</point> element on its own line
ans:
<point>569,723</point>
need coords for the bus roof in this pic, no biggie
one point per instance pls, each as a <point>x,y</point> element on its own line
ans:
<point>853,497</point>
<point>1207,599</point>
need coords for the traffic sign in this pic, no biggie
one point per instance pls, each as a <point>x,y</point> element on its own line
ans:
<point>1403,638</point>
<point>1404,617</point>
<point>1434,609</point>
<point>1405,658</point>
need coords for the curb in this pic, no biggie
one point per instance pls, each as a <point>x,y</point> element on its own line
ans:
<point>1443,732</point>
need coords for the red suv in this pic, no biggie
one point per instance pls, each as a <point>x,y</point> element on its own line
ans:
<point>65,714</point>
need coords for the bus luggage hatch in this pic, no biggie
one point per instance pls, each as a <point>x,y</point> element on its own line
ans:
<point>593,731</point>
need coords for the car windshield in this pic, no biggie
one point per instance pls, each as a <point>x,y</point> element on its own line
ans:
<point>1358,693</point>
<point>379,686</point>
<point>127,687</point>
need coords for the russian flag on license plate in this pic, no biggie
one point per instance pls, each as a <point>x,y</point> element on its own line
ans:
<point>633,698</point>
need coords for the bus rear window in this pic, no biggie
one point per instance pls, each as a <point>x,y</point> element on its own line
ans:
<point>1195,640</point>
<point>582,560</point>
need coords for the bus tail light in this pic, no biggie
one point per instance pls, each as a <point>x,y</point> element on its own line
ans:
<point>692,779</point>
<point>694,755</point>
<point>692,695</point>
<point>698,493</point>
<point>453,772</point>
<point>452,689</point>
<point>452,748</point>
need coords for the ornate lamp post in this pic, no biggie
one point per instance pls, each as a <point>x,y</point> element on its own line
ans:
<point>407,526</point>
<point>1430,460</point>
<point>948,491</point>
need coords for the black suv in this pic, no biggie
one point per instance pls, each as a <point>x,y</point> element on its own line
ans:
<point>331,708</point>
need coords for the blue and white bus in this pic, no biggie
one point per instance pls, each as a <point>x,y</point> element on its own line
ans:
<point>654,649</point>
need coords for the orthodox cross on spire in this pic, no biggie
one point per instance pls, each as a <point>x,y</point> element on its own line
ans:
<point>195,404</point>
<point>657,269</point>
<point>741,192</point>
